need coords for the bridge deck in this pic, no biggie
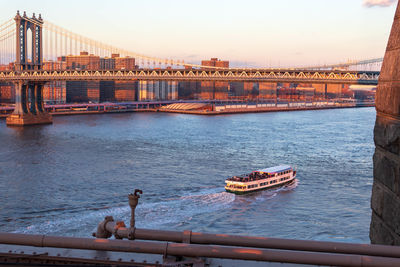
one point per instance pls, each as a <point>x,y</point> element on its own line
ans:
<point>231,75</point>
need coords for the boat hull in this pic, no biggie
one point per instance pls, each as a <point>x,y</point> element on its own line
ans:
<point>259,189</point>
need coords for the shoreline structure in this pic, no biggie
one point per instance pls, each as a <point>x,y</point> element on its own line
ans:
<point>190,108</point>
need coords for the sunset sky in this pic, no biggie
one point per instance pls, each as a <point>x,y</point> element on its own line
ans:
<point>252,33</point>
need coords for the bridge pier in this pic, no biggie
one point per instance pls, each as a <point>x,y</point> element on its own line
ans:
<point>29,108</point>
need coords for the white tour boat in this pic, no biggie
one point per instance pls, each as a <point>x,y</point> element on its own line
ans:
<point>261,180</point>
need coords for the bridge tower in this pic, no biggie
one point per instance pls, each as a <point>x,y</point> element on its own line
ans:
<point>29,106</point>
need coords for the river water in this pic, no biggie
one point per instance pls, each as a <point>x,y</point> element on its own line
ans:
<point>62,179</point>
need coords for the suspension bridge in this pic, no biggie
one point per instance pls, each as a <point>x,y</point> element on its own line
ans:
<point>57,41</point>
<point>27,43</point>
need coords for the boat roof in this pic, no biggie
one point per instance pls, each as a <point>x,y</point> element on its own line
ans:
<point>279,168</point>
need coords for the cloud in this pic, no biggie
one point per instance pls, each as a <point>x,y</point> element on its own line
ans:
<point>381,3</point>
<point>193,56</point>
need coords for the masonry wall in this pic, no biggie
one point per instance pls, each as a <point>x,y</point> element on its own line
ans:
<point>385,200</point>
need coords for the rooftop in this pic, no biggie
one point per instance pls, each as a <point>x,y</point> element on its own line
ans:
<point>276,169</point>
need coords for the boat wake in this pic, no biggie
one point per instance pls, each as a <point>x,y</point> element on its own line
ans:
<point>291,186</point>
<point>166,213</point>
<point>181,210</point>
<point>285,188</point>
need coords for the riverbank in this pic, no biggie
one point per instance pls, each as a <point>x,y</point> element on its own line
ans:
<point>212,111</point>
<point>88,112</point>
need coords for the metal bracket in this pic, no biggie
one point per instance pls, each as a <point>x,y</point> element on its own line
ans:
<point>131,233</point>
<point>186,236</point>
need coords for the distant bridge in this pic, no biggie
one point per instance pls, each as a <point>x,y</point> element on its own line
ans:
<point>49,41</point>
<point>348,64</point>
<point>26,41</point>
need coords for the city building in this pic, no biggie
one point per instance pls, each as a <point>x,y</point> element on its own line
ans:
<point>82,91</point>
<point>96,91</point>
<point>125,63</point>
<point>125,90</point>
<point>55,92</point>
<point>54,65</point>
<point>215,62</point>
<point>7,67</point>
<point>267,90</point>
<point>115,62</point>
<point>107,63</point>
<point>84,61</point>
<point>107,91</point>
<point>7,93</point>
<point>214,90</point>
<point>92,91</point>
<point>157,90</point>
<point>189,90</point>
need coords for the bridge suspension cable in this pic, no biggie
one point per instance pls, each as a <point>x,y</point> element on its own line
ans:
<point>7,24</point>
<point>7,42</point>
<point>346,64</point>
<point>101,48</point>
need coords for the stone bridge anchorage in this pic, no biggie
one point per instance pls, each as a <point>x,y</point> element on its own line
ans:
<point>385,200</point>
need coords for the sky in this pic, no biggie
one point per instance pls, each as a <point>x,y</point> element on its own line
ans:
<point>254,33</point>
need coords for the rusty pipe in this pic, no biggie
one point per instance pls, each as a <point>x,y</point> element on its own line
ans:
<point>192,250</point>
<point>293,244</point>
<point>252,241</point>
<point>105,232</point>
<point>108,227</point>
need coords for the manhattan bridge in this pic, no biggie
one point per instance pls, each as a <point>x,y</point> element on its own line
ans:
<point>26,42</point>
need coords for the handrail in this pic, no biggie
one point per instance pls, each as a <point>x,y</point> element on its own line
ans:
<point>192,250</point>
<point>254,241</point>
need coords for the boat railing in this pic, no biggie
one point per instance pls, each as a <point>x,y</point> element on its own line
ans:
<point>254,176</point>
<point>249,178</point>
